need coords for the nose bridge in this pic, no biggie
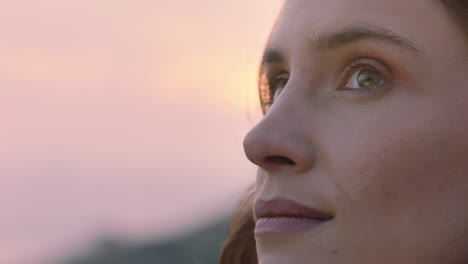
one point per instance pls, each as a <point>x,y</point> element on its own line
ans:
<point>282,138</point>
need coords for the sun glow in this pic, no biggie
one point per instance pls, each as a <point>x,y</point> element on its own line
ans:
<point>122,101</point>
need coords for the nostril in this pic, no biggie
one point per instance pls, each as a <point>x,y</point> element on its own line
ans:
<point>279,160</point>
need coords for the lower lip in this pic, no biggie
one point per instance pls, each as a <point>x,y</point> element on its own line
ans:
<point>278,225</point>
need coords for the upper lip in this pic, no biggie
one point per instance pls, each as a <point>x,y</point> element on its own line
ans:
<point>284,207</point>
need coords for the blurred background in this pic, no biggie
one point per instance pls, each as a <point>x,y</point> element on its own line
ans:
<point>122,125</point>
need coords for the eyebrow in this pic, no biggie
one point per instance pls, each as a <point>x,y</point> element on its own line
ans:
<point>272,56</point>
<point>348,36</point>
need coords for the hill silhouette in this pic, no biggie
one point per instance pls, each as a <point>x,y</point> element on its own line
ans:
<point>200,247</point>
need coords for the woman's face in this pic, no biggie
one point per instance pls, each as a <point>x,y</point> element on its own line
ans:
<point>369,125</point>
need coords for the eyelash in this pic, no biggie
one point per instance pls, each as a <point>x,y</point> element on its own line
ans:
<point>353,67</point>
<point>277,80</point>
<point>362,64</point>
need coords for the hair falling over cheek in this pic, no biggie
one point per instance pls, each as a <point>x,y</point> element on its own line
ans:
<point>239,246</point>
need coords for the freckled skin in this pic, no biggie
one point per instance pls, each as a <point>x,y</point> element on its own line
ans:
<point>392,167</point>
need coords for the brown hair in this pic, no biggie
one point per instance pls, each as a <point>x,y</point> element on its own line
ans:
<point>459,11</point>
<point>239,247</point>
<point>240,243</point>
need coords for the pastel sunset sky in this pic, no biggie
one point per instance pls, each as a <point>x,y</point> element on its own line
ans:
<point>123,117</point>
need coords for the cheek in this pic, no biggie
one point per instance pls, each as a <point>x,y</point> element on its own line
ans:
<point>402,174</point>
<point>408,162</point>
<point>399,171</point>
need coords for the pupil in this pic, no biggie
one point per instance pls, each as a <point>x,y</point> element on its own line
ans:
<point>367,79</point>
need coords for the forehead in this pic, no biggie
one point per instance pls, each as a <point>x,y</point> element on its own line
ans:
<point>303,19</point>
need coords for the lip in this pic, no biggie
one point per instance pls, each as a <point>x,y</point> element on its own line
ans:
<point>283,215</point>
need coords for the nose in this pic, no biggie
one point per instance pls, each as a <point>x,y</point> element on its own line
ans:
<point>281,140</point>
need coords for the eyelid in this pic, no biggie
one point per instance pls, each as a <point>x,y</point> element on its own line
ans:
<point>369,63</point>
<point>350,68</point>
<point>279,77</point>
<point>273,81</point>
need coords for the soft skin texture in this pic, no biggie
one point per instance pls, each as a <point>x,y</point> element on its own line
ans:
<point>391,165</point>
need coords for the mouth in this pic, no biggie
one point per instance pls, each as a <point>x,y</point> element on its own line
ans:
<point>282,215</point>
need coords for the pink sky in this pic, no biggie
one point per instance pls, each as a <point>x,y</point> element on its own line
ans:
<point>122,116</point>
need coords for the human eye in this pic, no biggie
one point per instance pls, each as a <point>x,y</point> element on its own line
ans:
<point>277,85</point>
<point>365,76</point>
<point>271,88</point>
